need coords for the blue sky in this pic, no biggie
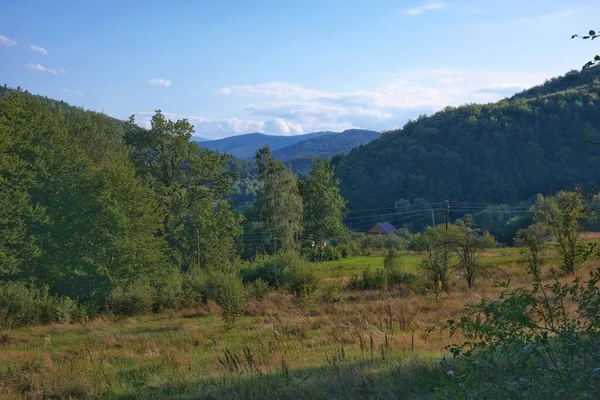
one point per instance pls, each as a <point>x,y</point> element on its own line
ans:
<point>288,66</point>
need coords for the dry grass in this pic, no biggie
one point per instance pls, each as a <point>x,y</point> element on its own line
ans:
<point>191,352</point>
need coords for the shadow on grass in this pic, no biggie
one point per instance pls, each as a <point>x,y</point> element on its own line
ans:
<point>364,379</point>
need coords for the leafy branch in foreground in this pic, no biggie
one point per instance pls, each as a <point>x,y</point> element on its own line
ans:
<point>538,342</point>
<point>590,36</point>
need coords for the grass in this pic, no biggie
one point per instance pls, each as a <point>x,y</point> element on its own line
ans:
<point>356,345</point>
<point>355,265</point>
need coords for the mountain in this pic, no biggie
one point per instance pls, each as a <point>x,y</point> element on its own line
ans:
<point>327,145</point>
<point>245,146</point>
<point>505,152</point>
<point>199,139</point>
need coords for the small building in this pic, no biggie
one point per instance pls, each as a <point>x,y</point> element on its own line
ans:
<point>383,228</point>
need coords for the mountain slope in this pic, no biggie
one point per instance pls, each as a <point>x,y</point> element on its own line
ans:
<point>327,145</point>
<point>245,146</point>
<point>495,153</point>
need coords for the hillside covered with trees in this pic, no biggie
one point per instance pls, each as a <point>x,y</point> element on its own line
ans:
<point>538,141</point>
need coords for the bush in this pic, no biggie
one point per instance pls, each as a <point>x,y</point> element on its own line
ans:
<point>381,279</point>
<point>392,260</point>
<point>330,292</point>
<point>227,290</point>
<point>168,291</point>
<point>530,344</point>
<point>132,299</point>
<point>257,290</point>
<point>194,287</point>
<point>301,280</point>
<point>21,304</point>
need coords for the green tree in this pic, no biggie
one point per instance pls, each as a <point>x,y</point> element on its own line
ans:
<point>190,185</point>
<point>435,265</point>
<point>467,245</point>
<point>278,205</point>
<point>534,241</point>
<point>324,207</point>
<point>563,215</point>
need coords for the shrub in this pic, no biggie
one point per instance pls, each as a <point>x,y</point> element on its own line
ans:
<point>392,260</point>
<point>21,304</point>
<point>168,291</point>
<point>132,299</point>
<point>530,344</point>
<point>227,290</point>
<point>381,279</point>
<point>194,287</point>
<point>301,280</point>
<point>283,271</point>
<point>330,292</point>
<point>257,290</point>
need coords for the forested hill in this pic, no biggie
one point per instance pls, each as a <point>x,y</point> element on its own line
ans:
<point>326,146</point>
<point>246,146</point>
<point>495,153</point>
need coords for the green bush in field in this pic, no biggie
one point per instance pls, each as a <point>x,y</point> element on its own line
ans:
<point>193,287</point>
<point>301,280</point>
<point>21,304</point>
<point>283,271</point>
<point>168,291</point>
<point>228,291</point>
<point>133,299</point>
<point>258,289</point>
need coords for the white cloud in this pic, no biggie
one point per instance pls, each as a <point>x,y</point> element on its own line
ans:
<point>6,41</point>
<point>41,68</point>
<point>160,82</point>
<point>39,49</point>
<point>386,106</point>
<point>419,10</point>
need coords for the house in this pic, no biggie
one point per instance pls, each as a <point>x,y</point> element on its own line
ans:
<point>383,228</point>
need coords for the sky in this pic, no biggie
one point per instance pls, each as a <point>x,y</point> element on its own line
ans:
<point>288,66</point>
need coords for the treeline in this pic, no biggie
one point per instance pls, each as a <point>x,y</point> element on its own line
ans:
<point>535,142</point>
<point>99,215</point>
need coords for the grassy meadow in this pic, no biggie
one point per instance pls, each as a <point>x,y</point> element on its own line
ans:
<point>340,344</point>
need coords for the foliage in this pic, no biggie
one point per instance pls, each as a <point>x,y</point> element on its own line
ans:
<point>534,240</point>
<point>283,271</point>
<point>529,344</point>
<point>435,266</point>
<point>494,153</point>
<point>76,217</point>
<point>591,36</point>
<point>277,213</point>
<point>132,299</point>
<point>563,216</point>
<point>466,244</point>
<point>190,186</point>
<point>21,304</point>
<point>227,290</point>
<point>323,209</point>
<point>257,289</point>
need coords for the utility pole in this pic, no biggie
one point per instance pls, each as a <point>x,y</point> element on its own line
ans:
<point>432,218</point>
<point>447,213</point>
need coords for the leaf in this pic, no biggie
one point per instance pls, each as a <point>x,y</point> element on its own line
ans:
<point>597,58</point>
<point>574,36</point>
<point>592,33</point>
<point>585,37</point>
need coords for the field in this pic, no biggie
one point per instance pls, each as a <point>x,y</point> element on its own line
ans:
<point>343,344</point>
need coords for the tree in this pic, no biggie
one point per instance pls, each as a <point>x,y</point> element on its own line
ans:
<point>467,245</point>
<point>435,266</point>
<point>191,185</point>
<point>278,205</point>
<point>534,240</point>
<point>563,216</point>
<point>324,207</point>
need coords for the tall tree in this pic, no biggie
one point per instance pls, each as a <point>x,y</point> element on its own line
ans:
<point>563,216</point>
<point>278,206</point>
<point>190,185</point>
<point>324,207</point>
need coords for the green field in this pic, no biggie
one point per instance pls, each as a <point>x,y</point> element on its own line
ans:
<point>355,265</point>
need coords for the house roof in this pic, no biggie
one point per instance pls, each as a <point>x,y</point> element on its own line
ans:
<point>387,227</point>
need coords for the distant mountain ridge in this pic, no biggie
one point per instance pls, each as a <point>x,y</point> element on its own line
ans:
<point>309,145</point>
<point>327,145</point>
